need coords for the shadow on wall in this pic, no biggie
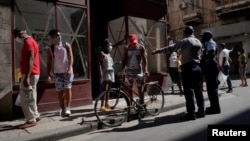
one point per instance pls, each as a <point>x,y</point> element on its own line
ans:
<point>6,104</point>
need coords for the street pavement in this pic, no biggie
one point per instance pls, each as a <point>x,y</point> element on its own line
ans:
<point>53,127</point>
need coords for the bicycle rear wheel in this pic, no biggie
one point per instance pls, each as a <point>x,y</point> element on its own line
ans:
<point>153,99</point>
<point>118,110</point>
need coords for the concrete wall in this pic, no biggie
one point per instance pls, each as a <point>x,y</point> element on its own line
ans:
<point>5,62</point>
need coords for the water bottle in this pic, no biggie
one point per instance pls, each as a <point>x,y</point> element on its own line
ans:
<point>28,91</point>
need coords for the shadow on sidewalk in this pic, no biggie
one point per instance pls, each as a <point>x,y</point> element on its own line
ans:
<point>148,123</point>
<point>8,127</point>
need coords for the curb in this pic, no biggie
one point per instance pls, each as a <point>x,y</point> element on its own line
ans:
<point>81,128</point>
<point>60,133</point>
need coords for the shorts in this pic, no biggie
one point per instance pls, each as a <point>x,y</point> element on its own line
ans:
<point>62,81</point>
<point>242,70</point>
<point>108,75</point>
<point>139,79</point>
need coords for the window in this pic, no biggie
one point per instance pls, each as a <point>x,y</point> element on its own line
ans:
<point>38,18</point>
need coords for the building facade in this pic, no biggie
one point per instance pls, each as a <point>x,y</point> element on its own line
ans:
<point>227,19</point>
<point>84,24</point>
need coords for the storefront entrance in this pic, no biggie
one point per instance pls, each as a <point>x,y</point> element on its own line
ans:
<point>38,18</point>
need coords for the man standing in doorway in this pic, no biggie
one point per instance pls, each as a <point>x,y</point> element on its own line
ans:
<point>60,53</point>
<point>30,70</point>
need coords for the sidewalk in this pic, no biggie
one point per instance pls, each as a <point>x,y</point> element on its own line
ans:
<point>53,127</point>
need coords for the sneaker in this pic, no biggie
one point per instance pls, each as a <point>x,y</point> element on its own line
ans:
<point>62,112</point>
<point>229,91</point>
<point>107,106</point>
<point>67,113</point>
<point>27,125</point>
<point>103,109</point>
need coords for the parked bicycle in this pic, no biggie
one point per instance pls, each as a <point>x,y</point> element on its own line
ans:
<point>122,104</point>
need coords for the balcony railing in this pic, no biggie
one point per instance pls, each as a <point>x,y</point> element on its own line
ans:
<point>233,9</point>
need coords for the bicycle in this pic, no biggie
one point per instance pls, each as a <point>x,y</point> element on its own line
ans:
<point>124,105</point>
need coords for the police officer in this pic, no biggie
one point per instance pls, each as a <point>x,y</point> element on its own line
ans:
<point>192,77</point>
<point>209,63</point>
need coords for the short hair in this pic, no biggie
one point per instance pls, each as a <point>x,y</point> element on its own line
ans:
<point>241,50</point>
<point>223,44</point>
<point>189,30</point>
<point>105,42</point>
<point>53,32</point>
<point>16,32</point>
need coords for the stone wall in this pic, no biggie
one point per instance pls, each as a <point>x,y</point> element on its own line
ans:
<point>5,63</point>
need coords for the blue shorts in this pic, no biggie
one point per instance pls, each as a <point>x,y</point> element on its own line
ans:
<point>63,81</point>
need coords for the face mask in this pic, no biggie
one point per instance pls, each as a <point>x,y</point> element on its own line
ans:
<point>19,40</point>
<point>57,39</point>
<point>110,47</point>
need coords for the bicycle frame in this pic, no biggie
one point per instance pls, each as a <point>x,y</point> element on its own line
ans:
<point>126,89</point>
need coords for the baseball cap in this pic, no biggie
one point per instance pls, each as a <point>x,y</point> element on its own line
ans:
<point>133,38</point>
<point>207,32</point>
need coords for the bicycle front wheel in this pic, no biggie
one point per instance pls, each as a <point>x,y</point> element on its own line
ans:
<point>153,99</point>
<point>112,108</point>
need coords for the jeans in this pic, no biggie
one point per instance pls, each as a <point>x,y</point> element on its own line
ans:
<point>226,72</point>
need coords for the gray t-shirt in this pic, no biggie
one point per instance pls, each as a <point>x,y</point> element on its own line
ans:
<point>191,49</point>
<point>134,60</point>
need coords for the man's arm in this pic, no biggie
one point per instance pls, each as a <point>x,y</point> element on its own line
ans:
<point>144,61</point>
<point>49,60</point>
<point>167,49</point>
<point>70,58</point>
<point>124,59</point>
<point>30,63</point>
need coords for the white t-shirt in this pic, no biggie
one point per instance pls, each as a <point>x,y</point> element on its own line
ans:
<point>173,60</point>
<point>224,53</point>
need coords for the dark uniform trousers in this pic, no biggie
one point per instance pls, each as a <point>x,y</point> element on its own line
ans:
<point>212,83</point>
<point>192,85</point>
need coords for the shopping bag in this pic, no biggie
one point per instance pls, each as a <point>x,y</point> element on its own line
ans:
<point>222,77</point>
<point>169,82</point>
<point>18,100</point>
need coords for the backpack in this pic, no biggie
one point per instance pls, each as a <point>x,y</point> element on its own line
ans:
<point>52,47</point>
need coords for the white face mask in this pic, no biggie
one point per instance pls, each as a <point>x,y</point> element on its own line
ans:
<point>19,40</point>
<point>110,47</point>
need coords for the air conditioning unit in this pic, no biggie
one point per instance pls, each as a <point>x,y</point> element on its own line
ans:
<point>182,5</point>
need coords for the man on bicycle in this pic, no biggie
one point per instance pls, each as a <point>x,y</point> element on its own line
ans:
<point>136,63</point>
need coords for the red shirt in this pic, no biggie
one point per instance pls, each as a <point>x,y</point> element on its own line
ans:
<point>30,45</point>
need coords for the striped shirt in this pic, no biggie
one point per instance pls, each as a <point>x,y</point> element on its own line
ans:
<point>191,49</point>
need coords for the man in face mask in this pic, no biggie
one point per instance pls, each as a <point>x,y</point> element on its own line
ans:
<point>61,55</point>
<point>30,70</point>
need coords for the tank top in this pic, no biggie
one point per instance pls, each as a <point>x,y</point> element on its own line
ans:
<point>61,59</point>
<point>107,63</point>
<point>134,60</point>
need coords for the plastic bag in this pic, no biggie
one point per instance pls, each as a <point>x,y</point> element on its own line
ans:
<point>222,77</point>
<point>18,100</point>
<point>169,81</point>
